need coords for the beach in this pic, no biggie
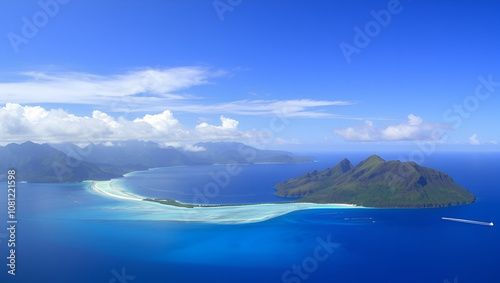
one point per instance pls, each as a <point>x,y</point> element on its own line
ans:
<point>210,214</point>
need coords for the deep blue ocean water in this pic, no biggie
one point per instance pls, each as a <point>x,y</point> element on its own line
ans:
<point>64,235</point>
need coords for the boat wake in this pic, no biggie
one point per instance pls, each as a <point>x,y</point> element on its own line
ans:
<point>468,221</point>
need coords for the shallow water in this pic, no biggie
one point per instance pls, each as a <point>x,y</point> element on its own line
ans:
<point>67,233</point>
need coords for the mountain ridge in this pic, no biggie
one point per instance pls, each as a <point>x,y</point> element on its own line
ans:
<point>68,162</point>
<point>375,182</point>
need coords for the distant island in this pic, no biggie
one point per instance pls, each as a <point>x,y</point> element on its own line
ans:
<point>375,182</point>
<point>67,162</point>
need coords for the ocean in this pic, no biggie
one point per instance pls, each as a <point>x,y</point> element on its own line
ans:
<point>67,233</point>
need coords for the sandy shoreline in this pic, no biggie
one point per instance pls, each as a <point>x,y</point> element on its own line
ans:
<point>211,214</point>
<point>104,188</point>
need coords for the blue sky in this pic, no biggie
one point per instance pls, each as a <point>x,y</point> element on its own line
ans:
<point>280,74</point>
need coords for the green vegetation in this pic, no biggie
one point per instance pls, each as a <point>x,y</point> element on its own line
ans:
<point>43,163</point>
<point>172,202</point>
<point>377,183</point>
<point>40,163</point>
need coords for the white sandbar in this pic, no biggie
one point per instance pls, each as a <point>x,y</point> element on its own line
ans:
<point>105,188</point>
<point>146,210</point>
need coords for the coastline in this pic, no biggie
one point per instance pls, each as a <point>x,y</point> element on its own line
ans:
<point>105,188</point>
<point>246,213</point>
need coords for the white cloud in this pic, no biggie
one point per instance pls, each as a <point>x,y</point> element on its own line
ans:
<point>286,108</point>
<point>147,90</point>
<point>306,108</point>
<point>193,148</point>
<point>228,130</point>
<point>413,129</point>
<point>365,132</point>
<point>281,141</point>
<point>473,139</point>
<point>85,88</point>
<point>20,123</point>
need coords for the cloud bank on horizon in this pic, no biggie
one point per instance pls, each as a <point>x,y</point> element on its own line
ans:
<point>159,93</point>
<point>34,123</point>
<point>155,91</point>
<point>413,129</point>
<point>21,123</point>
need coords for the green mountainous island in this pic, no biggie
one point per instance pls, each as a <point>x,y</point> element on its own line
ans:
<point>375,182</point>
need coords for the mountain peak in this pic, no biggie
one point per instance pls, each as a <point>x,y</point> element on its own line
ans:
<point>29,143</point>
<point>344,165</point>
<point>378,183</point>
<point>345,160</point>
<point>104,161</point>
<point>374,157</point>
